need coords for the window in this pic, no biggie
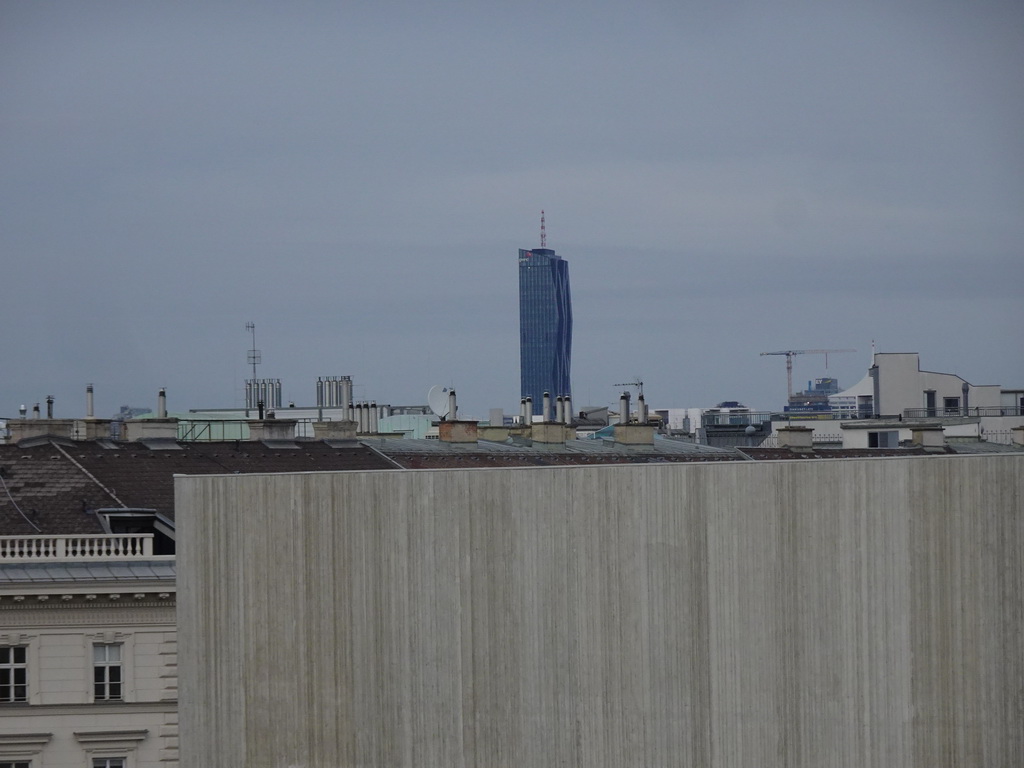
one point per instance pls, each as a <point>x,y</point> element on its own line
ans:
<point>13,673</point>
<point>16,764</point>
<point>107,679</point>
<point>107,762</point>
<point>951,405</point>
<point>887,439</point>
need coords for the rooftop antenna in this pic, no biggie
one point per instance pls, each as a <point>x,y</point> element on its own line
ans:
<point>254,354</point>
<point>543,232</point>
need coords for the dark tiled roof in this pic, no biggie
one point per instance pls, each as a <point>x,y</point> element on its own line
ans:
<point>464,460</point>
<point>435,454</point>
<point>50,490</point>
<point>55,485</point>
<point>780,454</point>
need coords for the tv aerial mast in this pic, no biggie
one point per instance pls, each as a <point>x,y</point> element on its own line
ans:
<point>254,357</point>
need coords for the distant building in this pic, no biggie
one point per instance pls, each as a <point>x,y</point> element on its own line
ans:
<point>545,326</point>
<point>815,397</point>
<point>896,385</point>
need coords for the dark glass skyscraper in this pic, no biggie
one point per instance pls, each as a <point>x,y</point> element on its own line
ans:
<point>545,326</point>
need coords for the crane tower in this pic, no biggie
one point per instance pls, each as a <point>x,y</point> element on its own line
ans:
<point>790,353</point>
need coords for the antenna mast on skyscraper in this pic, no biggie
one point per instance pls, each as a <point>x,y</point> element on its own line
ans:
<point>543,232</point>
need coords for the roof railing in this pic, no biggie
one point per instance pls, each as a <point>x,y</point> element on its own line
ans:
<point>116,546</point>
<point>939,412</point>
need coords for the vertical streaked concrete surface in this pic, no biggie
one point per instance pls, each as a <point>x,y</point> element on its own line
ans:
<point>802,614</point>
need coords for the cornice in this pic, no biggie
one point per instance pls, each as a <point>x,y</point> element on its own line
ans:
<point>98,614</point>
<point>108,710</point>
<point>63,600</point>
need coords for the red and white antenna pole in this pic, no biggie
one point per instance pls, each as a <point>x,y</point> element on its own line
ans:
<point>543,232</point>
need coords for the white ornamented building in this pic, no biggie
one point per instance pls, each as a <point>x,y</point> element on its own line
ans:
<point>88,664</point>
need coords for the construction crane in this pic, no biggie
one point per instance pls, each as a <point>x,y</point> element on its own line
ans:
<point>638,384</point>
<point>789,353</point>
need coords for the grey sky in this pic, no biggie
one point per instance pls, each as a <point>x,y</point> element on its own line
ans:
<point>355,178</point>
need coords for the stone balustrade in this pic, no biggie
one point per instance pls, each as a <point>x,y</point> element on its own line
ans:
<point>119,546</point>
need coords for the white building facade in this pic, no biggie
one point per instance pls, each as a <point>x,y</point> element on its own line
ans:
<point>88,657</point>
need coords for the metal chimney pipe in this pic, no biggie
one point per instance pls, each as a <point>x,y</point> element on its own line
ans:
<point>346,398</point>
<point>641,409</point>
<point>49,406</point>
<point>453,411</point>
<point>523,415</point>
<point>161,404</point>
<point>259,407</point>
<point>546,407</point>
<point>529,409</point>
<point>88,401</point>
<point>35,411</point>
<point>319,391</point>
<point>624,408</point>
<point>374,416</point>
<point>568,409</point>
<point>558,409</point>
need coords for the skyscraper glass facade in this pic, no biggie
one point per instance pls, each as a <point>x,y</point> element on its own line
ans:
<point>545,326</point>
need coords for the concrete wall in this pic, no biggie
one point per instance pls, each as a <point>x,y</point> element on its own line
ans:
<point>802,614</point>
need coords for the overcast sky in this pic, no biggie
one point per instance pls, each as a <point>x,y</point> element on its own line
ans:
<point>356,177</point>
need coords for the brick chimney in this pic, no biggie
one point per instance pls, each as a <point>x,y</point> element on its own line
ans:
<point>334,430</point>
<point>160,428</point>
<point>272,429</point>
<point>551,433</point>
<point>928,436</point>
<point>796,438</point>
<point>634,434</point>
<point>457,431</point>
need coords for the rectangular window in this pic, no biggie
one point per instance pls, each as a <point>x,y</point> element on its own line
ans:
<point>106,666</point>
<point>887,439</point>
<point>13,673</point>
<point>16,764</point>
<point>108,762</point>
<point>951,405</point>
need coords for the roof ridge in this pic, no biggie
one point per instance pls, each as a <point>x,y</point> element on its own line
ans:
<point>88,474</point>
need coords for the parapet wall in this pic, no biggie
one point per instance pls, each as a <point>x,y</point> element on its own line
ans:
<point>843,613</point>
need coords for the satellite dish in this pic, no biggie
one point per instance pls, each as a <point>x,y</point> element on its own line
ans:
<point>437,399</point>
